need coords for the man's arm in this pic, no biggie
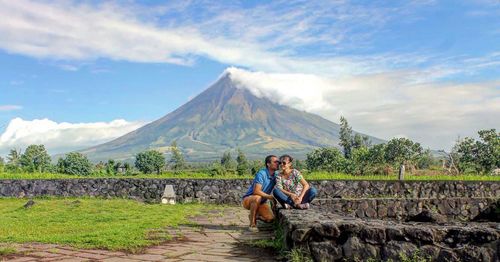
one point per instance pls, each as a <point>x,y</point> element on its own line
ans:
<point>257,190</point>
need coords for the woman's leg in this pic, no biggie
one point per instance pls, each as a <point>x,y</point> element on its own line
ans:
<point>310,195</point>
<point>282,198</point>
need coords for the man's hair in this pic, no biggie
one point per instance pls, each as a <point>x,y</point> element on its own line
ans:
<point>290,158</point>
<point>268,159</point>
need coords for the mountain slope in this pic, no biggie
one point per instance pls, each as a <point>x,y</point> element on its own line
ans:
<point>222,118</point>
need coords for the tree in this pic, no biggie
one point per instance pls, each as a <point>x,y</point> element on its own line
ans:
<point>345,137</point>
<point>75,163</point>
<point>376,154</point>
<point>242,167</point>
<point>13,157</point>
<point>35,159</point>
<point>226,161</point>
<point>359,163</point>
<point>177,161</point>
<point>255,166</point>
<point>488,150</point>
<point>425,160</point>
<point>360,141</point>
<point>326,159</point>
<point>110,167</point>
<point>402,151</point>
<point>217,170</point>
<point>482,155</point>
<point>127,166</point>
<point>149,161</point>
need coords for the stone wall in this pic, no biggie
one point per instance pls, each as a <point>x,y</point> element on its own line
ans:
<point>149,190</point>
<point>401,209</point>
<point>331,237</point>
<point>409,189</point>
<point>231,190</point>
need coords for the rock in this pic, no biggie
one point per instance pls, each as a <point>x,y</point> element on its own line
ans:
<point>429,252</point>
<point>427,216</point>
<point>420,234</point>
<point>352,248</point>
<point>393,250</point>
<point>325,251</point>
<point>373,235</point>
<point>395,234</point>
<point>327,229</point>
<point>371,213</point>
<point>300,234</point>
<point>474,253</point>
<point>29,204</point>
<point>448,255</point>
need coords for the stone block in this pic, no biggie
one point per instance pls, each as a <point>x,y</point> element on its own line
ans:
<point>373,235</point>
<point>325,251</point>
<point>327,229</point>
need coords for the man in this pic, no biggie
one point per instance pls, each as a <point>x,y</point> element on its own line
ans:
<point>257,196</point>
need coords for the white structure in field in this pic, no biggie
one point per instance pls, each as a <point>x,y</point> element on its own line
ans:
<point>168,195</point>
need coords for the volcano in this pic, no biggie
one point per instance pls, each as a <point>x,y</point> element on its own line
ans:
<point>226,117</point>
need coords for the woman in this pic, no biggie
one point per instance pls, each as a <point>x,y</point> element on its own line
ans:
<point>292,190</point>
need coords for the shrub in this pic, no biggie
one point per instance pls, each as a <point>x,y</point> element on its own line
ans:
<point>326,159</point>
<point>75,164</point>
<point>35,159</point>
<point>150,161</point>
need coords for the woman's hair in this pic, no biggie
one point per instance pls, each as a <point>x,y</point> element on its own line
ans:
<point>283,157</point>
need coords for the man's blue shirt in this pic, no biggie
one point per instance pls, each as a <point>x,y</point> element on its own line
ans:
<point>265,179</point>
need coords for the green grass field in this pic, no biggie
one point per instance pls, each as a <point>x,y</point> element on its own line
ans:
<point>114,224</point>
<point>421,176</point>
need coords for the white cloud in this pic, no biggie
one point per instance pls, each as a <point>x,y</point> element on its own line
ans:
<point>62,137</point>
<point>10,107</point>
<point>265,37</point>
<point>386,105</point>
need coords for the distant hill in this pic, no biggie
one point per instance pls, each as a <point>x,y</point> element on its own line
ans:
<point>225,117</point>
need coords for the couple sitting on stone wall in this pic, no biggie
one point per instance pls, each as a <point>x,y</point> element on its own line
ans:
<point>280,181</point>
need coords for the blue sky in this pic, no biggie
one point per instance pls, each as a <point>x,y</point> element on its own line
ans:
<point>427,70</point>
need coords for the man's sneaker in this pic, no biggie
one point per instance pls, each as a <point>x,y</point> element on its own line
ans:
<point>287,206</point>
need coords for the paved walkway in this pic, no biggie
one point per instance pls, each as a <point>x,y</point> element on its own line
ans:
<point>221,236</point>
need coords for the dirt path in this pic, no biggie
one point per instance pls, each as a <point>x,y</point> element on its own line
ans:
<point>221,235</point>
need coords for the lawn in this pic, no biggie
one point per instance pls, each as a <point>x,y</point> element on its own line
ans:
<point>422,175</point>
<point>114,224</point>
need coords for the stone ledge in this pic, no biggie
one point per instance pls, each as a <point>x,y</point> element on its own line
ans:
<point>332,237</point>
<point>401,209</point>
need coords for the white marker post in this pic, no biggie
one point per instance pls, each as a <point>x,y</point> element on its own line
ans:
<point>168,195</point>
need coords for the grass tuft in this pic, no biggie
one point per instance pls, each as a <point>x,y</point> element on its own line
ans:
<point>5,251</point>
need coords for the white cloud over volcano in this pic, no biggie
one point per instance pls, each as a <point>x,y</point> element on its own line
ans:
<point>385,105</point>
<point>61,137</point>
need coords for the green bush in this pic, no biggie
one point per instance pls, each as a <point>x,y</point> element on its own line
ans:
<point>35,159</point>
<point>481,156</point>
<point>150,161</point>
<point>75,163</point>
<point>326,159</point>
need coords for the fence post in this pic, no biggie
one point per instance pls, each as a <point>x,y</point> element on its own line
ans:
<point>401,172</point>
